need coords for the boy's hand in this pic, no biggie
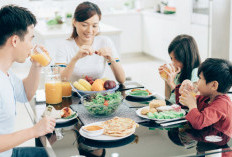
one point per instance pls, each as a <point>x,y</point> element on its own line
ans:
<point>186,84</point>
<point>44,126</point>
<point>188,99</point>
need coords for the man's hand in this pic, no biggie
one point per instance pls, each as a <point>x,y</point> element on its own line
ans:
<point>44,126</point>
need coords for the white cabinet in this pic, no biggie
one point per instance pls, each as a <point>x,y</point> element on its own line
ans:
<point>160,30</point>
<point>130,24</point>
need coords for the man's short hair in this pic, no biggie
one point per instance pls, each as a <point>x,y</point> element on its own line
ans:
<point>14,20</point>
<point>219,70</point>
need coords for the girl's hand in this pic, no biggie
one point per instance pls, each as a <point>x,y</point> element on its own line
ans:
<point>171,72</point>
<point>105,52</point>
<point>84,51</point>
<point>188,99</point>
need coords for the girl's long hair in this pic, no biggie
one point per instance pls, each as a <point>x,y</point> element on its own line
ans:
<point>185,51</point>
<point>83,12</point>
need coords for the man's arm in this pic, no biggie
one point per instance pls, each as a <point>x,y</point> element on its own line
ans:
<point>31,82</point>
<point>9,141</point>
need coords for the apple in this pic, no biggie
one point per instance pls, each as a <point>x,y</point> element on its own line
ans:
<point>109,84</point>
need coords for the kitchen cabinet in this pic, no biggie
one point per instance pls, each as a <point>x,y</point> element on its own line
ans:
<point>130,25</point>
<point>159,30</point>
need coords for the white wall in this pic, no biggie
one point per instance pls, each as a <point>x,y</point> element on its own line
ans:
<point>221,29</point>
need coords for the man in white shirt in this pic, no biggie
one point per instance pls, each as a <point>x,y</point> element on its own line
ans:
<point>16,33</point>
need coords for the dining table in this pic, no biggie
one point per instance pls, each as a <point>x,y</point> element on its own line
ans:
<point>151,138</point>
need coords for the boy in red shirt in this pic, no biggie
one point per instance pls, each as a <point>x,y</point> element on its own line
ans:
<point>212,106</point>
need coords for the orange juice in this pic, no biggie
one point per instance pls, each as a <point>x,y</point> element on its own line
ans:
<point>42,59</point>
<point>66,89</point>
<point>163,73</point>
<point>53,93</point>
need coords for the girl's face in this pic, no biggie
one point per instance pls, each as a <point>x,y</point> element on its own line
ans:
<point>87,29</point>
<point>175,62</point>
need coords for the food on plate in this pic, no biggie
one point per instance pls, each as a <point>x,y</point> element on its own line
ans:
<point>165,115</point>
<point>51,112</point>
<point>157,103</point>
<point>93,128</point>
<point>109,84</point>
<point>164,108</point>
<point>176,107</point>
<point>152,110</point>
<point>102,104</point>
<point>119,127</point>
<point>82,85</point>
<point>140,92</point>
<point>144,111</point>
<point>78,86</point>
<point>65,113</point>
<point>98,85</point>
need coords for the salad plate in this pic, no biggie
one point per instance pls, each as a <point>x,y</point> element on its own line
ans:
<point>138,112</point>
<point>139,93</point>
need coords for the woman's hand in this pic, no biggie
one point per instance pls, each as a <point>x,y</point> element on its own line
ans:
<point>188,99</point>
<point>84,51</point>
<point>106,53</point>
<point>171,72</point>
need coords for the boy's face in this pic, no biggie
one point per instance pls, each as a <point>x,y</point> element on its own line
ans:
<point>24,46</point>
<point>203,88</point>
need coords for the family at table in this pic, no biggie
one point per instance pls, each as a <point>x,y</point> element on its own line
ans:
<point>199,87</point>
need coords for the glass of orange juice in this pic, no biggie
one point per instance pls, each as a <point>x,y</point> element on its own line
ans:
<point>66,89</point>
<point>53,86</point>
<point>41,56</point>
<point>163,73</point>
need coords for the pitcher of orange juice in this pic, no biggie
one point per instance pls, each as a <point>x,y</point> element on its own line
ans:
<point>40,55</point>
<point>53,86</point>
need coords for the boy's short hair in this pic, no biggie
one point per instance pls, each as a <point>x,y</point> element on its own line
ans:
<point>219,70</point>
<point>14,20</point>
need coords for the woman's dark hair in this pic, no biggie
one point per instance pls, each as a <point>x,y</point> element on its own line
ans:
<point>83,12</point>
<point>220,70</point>
<point>185,51</point>
<point>14,20</point>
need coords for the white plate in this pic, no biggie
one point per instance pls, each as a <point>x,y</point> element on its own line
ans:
<point>62,120</point>
<point>92,92</point>
<point>136,96</point>
<point>101,137</point>
<point>138,112</point>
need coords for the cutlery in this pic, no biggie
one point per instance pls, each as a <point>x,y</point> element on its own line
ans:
<point>131,88</point>
<point>172,123</point>
<point>136,106</point>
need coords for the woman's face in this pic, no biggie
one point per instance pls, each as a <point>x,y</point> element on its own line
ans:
<point>175,62</point>
<point>87,29</point>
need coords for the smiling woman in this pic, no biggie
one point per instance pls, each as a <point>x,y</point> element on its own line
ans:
<point>86,52</point>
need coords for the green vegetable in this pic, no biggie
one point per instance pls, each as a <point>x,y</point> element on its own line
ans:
<point>165,115</point>
<point>96,105</point>
<point>139,93</point>
<point>69,117</point>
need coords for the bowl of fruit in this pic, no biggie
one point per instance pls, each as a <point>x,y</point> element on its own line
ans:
<point>102,104</point>
<point>89,85</point>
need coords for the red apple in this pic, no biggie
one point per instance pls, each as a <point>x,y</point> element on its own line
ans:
<point>109,84</point>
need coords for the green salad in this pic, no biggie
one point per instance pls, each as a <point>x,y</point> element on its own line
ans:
<point>165,115</point>
<point>103,104</point>
<point>139,93</point>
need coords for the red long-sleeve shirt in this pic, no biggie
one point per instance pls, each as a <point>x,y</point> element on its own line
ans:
<point>218,113</point>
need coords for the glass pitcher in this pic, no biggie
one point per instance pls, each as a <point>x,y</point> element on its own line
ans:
<point>53,85</point>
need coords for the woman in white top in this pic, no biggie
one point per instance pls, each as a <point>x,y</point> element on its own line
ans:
<point>85,53</point>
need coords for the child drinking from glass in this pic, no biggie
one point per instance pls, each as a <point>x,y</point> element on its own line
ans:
<point>185,58</point>
<point>212,106</point>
